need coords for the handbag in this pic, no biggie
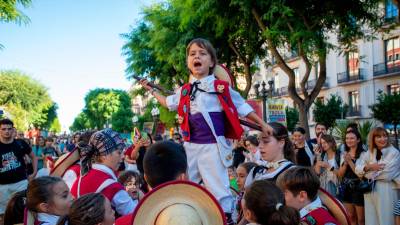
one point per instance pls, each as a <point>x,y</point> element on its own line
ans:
<point>365,186</point>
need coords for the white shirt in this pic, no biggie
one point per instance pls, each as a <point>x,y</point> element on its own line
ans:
<point>47,219</point>
<point>310,207</point>
<point>121,201</point>
<point>264,175</point>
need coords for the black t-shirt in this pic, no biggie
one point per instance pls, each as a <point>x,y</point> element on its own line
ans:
<point>13,167</point>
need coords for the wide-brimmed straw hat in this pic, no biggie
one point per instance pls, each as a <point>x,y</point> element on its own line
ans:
<point>336,208</point>
<point>222,73</point>
<point>179,203</point>
<point>64,162</point>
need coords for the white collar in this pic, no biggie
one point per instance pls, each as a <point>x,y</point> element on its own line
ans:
<point>104,169</point>
<point>47,218</point>
<point>310,207</point>
<point>205,79</point>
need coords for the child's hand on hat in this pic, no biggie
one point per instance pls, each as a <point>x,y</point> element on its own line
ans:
<point>267,129</point>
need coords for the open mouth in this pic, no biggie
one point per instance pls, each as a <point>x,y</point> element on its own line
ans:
<point>197,64</point>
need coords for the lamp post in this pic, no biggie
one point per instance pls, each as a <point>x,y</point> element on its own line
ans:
<point>155,113</point>
<point>263,93</point>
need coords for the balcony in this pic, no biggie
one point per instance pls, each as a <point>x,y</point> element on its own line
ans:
<point>354,111</point>
<point>346,77</point>
<point>383,69</point>
<point>311,84</point>
<point>282,91</point>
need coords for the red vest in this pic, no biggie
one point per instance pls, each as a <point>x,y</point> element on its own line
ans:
<point>319,216</point>
<point>76,168</point>
<point>92,181</point>
<point>233,129</point>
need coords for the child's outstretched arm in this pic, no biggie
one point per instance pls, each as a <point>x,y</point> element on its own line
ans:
<point>267,129</point>
<point>160,98</point>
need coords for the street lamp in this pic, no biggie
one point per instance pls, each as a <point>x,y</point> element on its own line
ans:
<point>264,94</point>
<point>155,113</point>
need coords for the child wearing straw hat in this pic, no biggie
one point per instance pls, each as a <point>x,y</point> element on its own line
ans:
<point>105,148</point>
<point>208,111</point>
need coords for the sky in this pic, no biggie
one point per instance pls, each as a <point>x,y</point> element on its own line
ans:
<point>71,47</point>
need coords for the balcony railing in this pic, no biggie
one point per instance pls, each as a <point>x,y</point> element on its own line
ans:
<point>354,111</point>
<point>347,77</point>
<point>311,84</point>
<point>281,91</point>
<point>384,68</point>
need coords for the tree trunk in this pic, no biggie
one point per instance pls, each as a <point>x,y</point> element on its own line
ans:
<point>303,119</point>
<point>248,77</point>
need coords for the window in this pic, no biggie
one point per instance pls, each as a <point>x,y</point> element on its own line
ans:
<point>394,88</point>
<point>391,10</point>
<point>353,63</point>
<point>276,81</point>
<point>316,69</point>
<point>392,49</point>
<point>297,76</point>
<point>354,101</point>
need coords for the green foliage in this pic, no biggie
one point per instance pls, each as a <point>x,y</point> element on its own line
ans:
<point>105,106</point>
<point>387,110</point>
<point>292,117</point>
<point>329,112</point>
<point>55,126</point>
<point>364,129</point>
<point>339,131</point>
<point>27,100</point>
<point>10,13</point>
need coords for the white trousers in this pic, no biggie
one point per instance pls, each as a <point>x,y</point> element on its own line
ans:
<point>205,165</point>
<point>379,204</point>
<point>7,190</point>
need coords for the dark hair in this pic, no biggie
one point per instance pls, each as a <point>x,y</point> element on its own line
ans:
<point>49,139</point>
<point>330,140</point>
<point>360,147</point>
<point>205,44</point>
<point>248,166</point>
<point>320,124</point>
<point>40,190</point>
<point>86,210</point>
<point>164,161</point>
<point>267,202</point>
<point>353,126</point>
<point>281,133</point>
<point>298,179</point>
<point>85,136</point>
<point>14,213</point>
<point>299,129</point>
<point>253,140</point>
<point>127,175</point>
<point>6,122</point>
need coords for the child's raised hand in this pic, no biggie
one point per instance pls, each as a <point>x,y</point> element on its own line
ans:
<point>145,84</point>
<point>267,129</point>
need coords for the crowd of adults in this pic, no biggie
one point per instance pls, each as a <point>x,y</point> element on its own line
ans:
<point>274,179</point>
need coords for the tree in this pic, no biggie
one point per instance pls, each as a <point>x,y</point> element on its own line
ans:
<point>10,13</point>
<point>307,27</point>
<point>105,107</point>
<point>329,112</point>
<point>26,100</point>
<point>292,117</point>
<point>387,110</point>
<point>55,126</point>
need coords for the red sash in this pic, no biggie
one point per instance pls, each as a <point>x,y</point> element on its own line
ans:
<point>319,216</point>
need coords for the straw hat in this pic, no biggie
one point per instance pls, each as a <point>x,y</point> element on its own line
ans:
<point>179,203</point>
<point>336,208</point>
<point>64,162</point>
<point>222,73</point>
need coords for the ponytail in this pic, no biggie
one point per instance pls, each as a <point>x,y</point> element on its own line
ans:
<point>14,213</point>
<point>284,215</point>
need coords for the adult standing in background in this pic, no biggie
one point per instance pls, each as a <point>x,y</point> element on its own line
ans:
<point>13,171</point>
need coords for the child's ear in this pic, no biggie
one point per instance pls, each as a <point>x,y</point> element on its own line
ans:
<point>43,207</point>
<point>303,196</point>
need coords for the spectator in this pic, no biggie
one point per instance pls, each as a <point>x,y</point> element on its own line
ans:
<point>300,185</point>
<point>315,142</point>
<point>15,209</point>
<point>238,153</point>
<point>381,164</point>
<point>13,175</point>
<point>38,150</point>
<point>242,171</point>
<point>74,141</point>
<point>50,149</point>
<point>253,152</point>
<point>304,151</point>
<point>264,204</point>
<point>353,200</point>
<point>90,209</point>
<point>327,165</point>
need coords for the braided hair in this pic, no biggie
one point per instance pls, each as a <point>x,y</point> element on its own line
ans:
<point>86,210</point>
